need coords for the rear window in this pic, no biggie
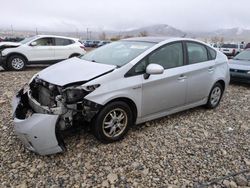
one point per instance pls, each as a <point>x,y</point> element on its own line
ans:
<point>229,46</point>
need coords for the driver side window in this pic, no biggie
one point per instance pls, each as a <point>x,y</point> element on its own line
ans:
<point>45,42</point>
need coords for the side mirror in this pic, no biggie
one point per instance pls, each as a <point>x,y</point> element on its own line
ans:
<point>153,69</point>
<point>33,44</point>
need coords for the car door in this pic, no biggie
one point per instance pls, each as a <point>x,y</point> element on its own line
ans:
<point>168,90</point>
<point>200,70</point>
<point>63,48</point>
<point>41,49</point>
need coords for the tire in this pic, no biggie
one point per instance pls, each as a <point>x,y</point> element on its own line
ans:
<point>106,125</point>
<point>215,96</point>
<point>16,62</point>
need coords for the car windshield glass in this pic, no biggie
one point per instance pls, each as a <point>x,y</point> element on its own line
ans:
<point>117,53</point>
<point>245,55</point>
<point>27,39</point>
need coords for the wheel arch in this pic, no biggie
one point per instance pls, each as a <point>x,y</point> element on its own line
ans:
<point>129,102</point>
<point>17,53</point>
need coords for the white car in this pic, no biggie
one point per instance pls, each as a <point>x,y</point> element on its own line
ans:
<point>40,49</point>
<point>231,49</point>
<point>117,85</point>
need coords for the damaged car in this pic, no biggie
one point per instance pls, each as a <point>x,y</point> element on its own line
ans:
<point>115,86</point>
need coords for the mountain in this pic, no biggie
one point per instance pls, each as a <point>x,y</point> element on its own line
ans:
<point>237,33</point>
<point>155,30</point>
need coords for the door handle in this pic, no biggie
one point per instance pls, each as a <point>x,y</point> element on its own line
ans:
<point>210,69</point>
<point>182,77</point>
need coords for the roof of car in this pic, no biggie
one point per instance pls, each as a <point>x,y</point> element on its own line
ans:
<point>148,39</point>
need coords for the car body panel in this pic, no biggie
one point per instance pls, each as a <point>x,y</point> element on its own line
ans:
<point>37,131</point>
<point>82,71</point>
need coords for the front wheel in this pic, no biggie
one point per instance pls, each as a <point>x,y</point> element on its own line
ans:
<point>16,62</point>
<point>113,122</point>
<point>215,96</point>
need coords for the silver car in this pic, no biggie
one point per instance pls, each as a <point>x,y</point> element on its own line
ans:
<point>115,86</point>
<point>240,67</point>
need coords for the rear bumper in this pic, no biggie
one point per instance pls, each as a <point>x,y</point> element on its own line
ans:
<point>37,131</point>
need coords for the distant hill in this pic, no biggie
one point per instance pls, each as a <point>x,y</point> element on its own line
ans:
<point>233,34</point>
<point>156,30</point>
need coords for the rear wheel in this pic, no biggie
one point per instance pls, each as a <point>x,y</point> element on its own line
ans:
<point>215,96</point>
<point>113,122</point>
<point>16,62</point>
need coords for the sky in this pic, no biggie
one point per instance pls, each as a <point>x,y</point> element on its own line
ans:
<point>77,15</point>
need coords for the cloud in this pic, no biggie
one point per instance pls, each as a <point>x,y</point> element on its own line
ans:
<point>75,15</point>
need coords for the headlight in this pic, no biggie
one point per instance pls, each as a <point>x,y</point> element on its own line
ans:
<point>92,87</point>
<point>248,72</point>
<point>74,95</point>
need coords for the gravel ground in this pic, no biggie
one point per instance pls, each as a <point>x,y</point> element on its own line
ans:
<point>195,148</point>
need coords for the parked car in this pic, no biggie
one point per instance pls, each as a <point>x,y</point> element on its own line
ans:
<point>125,82</point>
<point>91,43</point>
<point>247,46</point>
<point>40,49</point>
<point>240,67</point>
<point>102,43</point>
<point>231,49</point>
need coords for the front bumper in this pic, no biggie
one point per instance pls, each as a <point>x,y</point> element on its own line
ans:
<point>3,61</point>
<point>37,131</point>
<point>240,77</point>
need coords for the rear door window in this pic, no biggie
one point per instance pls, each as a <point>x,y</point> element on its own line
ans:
<point>197,53</point>
<point>63,42</point>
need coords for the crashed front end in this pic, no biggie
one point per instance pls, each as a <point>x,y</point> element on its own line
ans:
<point>43,110</point>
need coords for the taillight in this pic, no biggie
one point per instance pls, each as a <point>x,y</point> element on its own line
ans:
<point>82,47</point>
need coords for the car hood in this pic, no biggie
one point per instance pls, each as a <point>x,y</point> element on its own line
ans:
<point>9,44</point>
<point>239,64</point>
<point>73,70</point>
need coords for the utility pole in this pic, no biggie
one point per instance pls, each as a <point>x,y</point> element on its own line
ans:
<point>36,31</point>
<point>12,31</point>
<point>87,35</point>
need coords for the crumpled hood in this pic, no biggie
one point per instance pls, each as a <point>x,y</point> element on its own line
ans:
<point>9,44</point>
<point>239,64</point>
<point>73,70</point>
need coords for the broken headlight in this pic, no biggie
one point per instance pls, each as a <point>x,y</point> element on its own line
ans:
<point>74,95</point>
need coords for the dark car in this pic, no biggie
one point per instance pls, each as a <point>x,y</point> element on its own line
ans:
<point>91,43</point>
<point>240,67</point>
<point>102,43</point>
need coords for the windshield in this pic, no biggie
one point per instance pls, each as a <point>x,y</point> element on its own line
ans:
<point>24,41</point>
<point>117,53</point>
<point>245,55</point>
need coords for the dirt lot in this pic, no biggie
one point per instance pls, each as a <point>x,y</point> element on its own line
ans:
<point>195,148</point>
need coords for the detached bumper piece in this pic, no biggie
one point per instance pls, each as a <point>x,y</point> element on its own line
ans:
<point>37,131</point>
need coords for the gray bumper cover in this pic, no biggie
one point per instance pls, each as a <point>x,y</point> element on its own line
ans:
<point>38,131</point>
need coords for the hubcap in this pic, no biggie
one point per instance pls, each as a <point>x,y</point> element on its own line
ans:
<point>215,96</point>
<point>17,63</point>
<point>115,122</point>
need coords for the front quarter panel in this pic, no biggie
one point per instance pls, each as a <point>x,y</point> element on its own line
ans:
<point>118,87</point>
